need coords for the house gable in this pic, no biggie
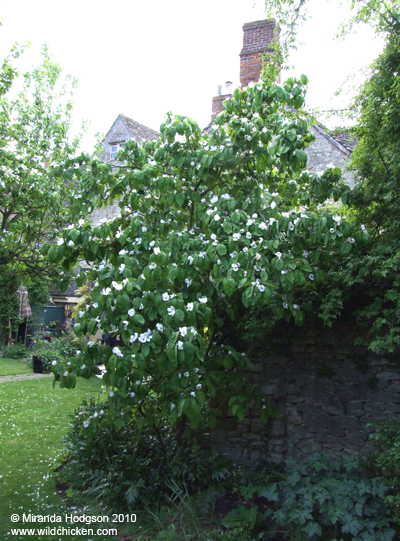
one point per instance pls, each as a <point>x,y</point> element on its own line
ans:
<point>123,129</point>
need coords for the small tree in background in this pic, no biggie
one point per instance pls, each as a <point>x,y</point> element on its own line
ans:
<point>34,132</point>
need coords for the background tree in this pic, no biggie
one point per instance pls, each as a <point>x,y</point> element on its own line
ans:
<point>34,133</point>
<point>368,283</point>
<point>374,275</point>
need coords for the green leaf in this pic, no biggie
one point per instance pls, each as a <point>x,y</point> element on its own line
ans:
<point>229,286</point>
<point>227,227</point>
<point>53,254</point>
<point>221,249</point>
<point>180,198</point>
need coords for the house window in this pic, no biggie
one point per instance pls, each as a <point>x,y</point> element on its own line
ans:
<point>114,147</point>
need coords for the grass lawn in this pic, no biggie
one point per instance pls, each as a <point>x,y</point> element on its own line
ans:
<point>33,421</point>
<point>12,367</point>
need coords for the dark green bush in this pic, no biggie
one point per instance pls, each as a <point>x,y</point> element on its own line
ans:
<point>385,462</point>
<point>330,500</point>
<point>128,467</point>
<point>18,351</point>
<point>57,350</point>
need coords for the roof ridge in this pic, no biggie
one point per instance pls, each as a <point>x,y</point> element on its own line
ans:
<point>127,118</point>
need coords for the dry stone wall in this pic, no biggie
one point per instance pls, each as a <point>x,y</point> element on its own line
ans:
<point>326,392</point>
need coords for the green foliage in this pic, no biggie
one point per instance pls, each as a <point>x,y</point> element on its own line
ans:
<point>131,465</point>
<point>371,277</point>
<point>385,462</point>
<point>210,225</point>
<point>17,351</point>
<point>57,351</point>
<point>34,133</point>
<point>9,309</point>
<point>328,500</point>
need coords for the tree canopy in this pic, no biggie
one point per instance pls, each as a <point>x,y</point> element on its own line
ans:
<point>34,133</point>
<point>211,223</point>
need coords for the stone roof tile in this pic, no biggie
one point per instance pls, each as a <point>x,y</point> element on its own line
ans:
<point>139,132</point>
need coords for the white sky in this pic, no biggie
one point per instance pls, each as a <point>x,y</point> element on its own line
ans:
<point>143,59</point>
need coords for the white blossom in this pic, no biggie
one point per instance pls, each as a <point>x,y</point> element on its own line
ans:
<point>131,312</point>
<point>203,300</point>
<point>214,199</point>
<point>171,310</point>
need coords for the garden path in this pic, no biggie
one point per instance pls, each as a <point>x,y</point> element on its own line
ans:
<point>17,377</point>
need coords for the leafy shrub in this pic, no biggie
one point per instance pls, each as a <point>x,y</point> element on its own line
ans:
<point>126,465</point>
<point>18,351</point>
<point>57,350</point>
<point>385,462</point>
<point>330,500</point>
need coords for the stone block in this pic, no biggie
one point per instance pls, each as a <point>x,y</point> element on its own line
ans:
<point>392,408</point>
<point>333,410</point>
<point>309,446</point>
<point>256,426</point>
<point>319,420</point>
<point>269,389</point>
<point>347,422</point>
<point>373,406</point>
<point>278,428</point>
<point>355,442</point>
<point>357,413</point>
<point>250,437</point>
<point>328,438</point>
<point>332,447</point>
<point>295,399</point>
<point>276,441</point>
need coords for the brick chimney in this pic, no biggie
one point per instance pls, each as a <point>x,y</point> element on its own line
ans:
<point>257,37</point>
<point>217,101</point>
